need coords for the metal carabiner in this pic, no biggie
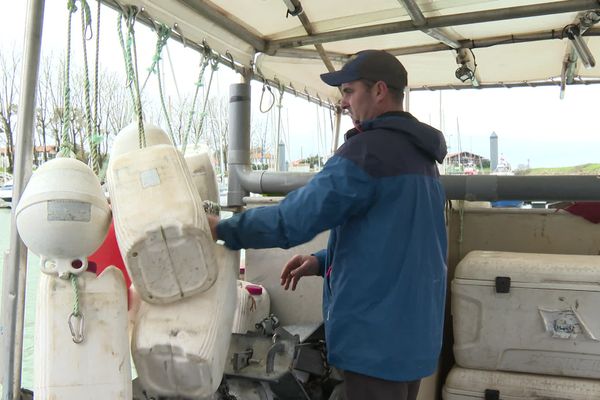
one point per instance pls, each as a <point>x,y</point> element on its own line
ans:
<point>76,330</point>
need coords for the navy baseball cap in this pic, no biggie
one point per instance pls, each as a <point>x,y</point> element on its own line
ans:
<point>373,65</point>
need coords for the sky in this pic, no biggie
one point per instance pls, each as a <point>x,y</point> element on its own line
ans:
<point>534,126</point>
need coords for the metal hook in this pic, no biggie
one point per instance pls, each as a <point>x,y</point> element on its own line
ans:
<point>228,54</point>
<point>76,330</point>
<point>293,89</point>
<point>180,33</point>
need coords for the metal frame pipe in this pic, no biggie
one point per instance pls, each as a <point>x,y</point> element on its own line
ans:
<point>501,187</point>
<point>436,22</point>
<point>15,270</point>
<point>457,187</point>
<point>238,154</point>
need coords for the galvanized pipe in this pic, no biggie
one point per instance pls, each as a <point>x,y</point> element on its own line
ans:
<point>420,22</point>
<point>457,187</point>
<point>436,22</point>
<point>499,187</point>
<point>15,270</point>
<point>208,11</point>
<point>238,154</point>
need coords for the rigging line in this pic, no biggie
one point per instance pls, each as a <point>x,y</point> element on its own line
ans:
<point>85,23</point>
<point>96,138</point>
<point>173,73</point>
<point>318,119</point>
<point>122,42</point>
<point>214,66</point>
<point>262,95</point>
<point>132,72</point>
<point>163,105</point>
<point>162,33</point>
<point>204,63</point>
<point>66,147</point>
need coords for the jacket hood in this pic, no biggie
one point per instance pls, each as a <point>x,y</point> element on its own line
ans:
<point>425,137</point>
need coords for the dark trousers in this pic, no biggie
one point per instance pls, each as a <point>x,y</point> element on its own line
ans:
<point>363,387</point>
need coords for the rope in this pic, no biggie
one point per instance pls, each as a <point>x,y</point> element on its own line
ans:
<point>85,24</point>
<point>211,207</point>
<point>214,66</point>
<point>262,95</point>
<point>76,321</point>
<point>188,128</point>
<point>96,138</point>
<point>76,311</point>
<point>66,148</point>
<point>129,53</point>
<point>163,33</point>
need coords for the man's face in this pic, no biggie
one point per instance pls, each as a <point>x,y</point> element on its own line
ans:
<point>359,100</point>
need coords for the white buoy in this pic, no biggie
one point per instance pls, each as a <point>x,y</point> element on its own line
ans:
<point>63,216</point>
<point>160,222</point>
<point>203,174</point>
<point>180,348</point>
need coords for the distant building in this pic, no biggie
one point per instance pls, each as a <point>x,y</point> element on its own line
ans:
<point>262,157</point>
<point>465,158</point>
<point>51,151</point>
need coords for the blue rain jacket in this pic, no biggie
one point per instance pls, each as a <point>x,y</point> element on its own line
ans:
<point>385,263</point>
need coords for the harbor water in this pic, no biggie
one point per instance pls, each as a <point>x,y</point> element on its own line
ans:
<point>33,274</point>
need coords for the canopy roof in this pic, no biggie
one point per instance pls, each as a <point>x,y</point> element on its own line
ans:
<point>505,42</point>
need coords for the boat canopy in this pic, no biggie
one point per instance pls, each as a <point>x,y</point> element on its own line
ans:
<point>442,43</point>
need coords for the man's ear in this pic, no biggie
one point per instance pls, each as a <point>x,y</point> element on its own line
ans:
<point>381,90</point>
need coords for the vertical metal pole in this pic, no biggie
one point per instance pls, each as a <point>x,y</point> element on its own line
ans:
<point>13,290</point>
<point>238,155</point>
<point>336,127</point>
<point>407,99</point>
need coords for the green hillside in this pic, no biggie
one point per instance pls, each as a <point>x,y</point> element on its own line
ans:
<point>584,169</point>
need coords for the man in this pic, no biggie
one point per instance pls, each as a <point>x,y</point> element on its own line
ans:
<point>385,263</point>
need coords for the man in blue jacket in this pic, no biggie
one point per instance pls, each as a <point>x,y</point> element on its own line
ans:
<point>384,267</point>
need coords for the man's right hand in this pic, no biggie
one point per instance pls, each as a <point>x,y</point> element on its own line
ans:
<point>297,267</point>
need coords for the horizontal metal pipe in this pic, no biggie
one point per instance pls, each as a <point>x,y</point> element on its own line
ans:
<point>272,182</point>
<point>457,187</point>
<point>437,22</point>
<point>498,187</point>
<point>505,85</point>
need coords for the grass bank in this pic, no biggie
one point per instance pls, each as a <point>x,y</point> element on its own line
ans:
<point>584,169</point>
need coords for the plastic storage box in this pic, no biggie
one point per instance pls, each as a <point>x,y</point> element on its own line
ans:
<point>470,384</point>
<point>534,313</point>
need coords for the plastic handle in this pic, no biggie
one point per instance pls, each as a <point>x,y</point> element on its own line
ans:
<point>63,267</point>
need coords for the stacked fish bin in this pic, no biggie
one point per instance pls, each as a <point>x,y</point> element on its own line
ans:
<point>526,326</point>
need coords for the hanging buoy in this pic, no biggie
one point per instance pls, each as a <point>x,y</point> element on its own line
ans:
<point>73,360</point>
<point>180,349</point>
<point>203,174</point>
<point>161,226</point>
<point>63,215</point>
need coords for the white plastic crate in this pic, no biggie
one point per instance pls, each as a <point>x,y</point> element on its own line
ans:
<point>470,384</point>
<point>524,312</point>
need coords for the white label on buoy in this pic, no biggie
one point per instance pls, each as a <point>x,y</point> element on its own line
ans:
<point>150,178</point>
<point>69,210</point>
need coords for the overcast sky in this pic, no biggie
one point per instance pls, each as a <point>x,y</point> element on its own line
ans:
<point>533,125</point>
